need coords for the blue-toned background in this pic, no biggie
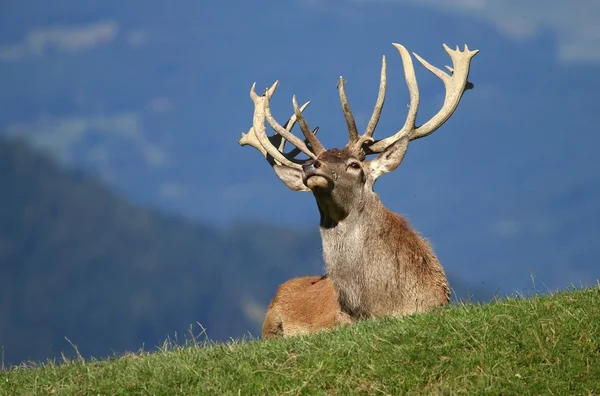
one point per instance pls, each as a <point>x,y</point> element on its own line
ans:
<point>129,212</point>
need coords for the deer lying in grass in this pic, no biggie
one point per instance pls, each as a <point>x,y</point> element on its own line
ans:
<point>302,305</point>
<point>378,265</point>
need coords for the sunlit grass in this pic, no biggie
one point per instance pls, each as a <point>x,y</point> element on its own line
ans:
<point>541,345</point>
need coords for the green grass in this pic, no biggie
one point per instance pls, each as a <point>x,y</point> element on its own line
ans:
<point>542,345</point>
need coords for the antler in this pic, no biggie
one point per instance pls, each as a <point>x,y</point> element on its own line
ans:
<point>356,142</point>
<point>455,83</point>
<point>271,147</point>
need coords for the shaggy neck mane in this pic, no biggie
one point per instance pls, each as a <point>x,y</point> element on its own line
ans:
<point>379,265</point>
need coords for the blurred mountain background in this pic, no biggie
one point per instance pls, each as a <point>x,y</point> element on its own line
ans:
<point>129,212</point>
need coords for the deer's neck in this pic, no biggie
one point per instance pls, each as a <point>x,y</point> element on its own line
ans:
<point>348,245</point>
<point>332,212</point>
<point>379,265</point>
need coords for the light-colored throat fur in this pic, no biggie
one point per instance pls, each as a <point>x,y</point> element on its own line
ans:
<point>379,265</point>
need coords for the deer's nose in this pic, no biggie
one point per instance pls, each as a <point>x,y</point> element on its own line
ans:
<point>310,167</point>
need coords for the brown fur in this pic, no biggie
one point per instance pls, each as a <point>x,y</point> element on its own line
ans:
<point>378,264</point>
<point>302,305</point>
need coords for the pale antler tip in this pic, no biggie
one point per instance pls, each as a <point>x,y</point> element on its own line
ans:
<point>466,50</point>
<point>271,90</point>
<point>304,106</point>
<point>253,91</point>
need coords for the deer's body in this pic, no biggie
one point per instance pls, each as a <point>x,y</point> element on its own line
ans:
<point>300,306</point>
<point>378,265</point>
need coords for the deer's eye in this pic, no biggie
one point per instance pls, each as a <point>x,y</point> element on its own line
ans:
<point>354,165</point>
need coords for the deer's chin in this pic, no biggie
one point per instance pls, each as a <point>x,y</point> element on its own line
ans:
<point>318,183</point>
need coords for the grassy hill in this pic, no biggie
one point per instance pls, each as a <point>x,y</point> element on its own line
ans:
<point>543,345</point>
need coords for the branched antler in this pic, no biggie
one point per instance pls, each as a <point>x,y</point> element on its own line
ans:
<point>271,147</point>
<point>455,83</point>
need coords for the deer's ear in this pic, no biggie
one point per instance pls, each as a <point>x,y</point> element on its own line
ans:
<point>390,158</point>
<point>291,177</point>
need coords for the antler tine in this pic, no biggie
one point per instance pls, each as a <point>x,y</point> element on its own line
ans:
<point>289,125</point>
<point>357,145</point>
<point>455,85</point>
<point>413,92</point>
<point>250,138</point>
<point>312,139</point>
<point>257,136</point>
<point>380,100</point>
<point>293,153</point>
<point>352,131</point>
<point>281,130</point>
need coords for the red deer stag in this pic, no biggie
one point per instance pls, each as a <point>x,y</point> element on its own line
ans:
<point>378,265</point>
